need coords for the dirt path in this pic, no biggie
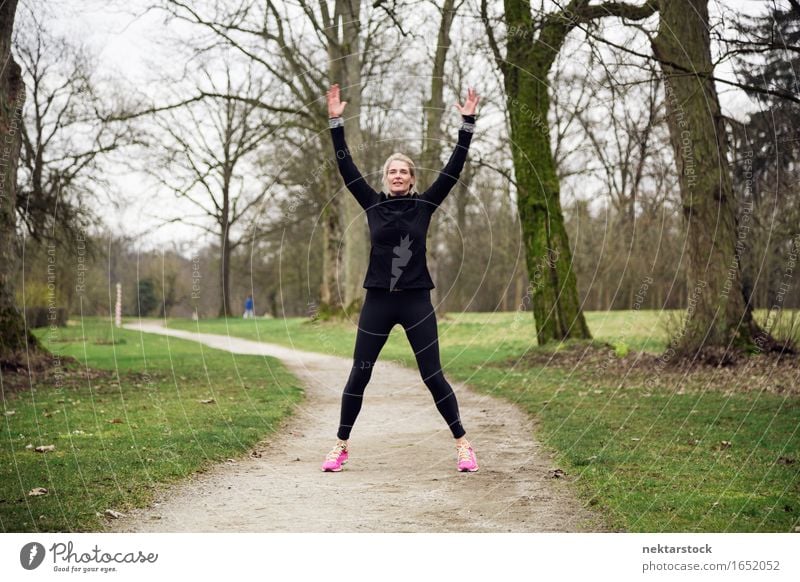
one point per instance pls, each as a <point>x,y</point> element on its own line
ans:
<point>285,491</point>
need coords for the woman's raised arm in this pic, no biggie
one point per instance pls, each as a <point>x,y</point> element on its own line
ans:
<point>452,170</point>
<point>353,179</point>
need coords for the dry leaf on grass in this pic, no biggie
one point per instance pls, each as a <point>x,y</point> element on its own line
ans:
<point>37,491</point>
<point>45,448</point>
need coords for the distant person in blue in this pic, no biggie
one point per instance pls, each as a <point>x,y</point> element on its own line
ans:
<point>248,307</point>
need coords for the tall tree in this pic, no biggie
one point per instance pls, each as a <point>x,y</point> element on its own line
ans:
<point>210,146</point>
<point>432,140</point>
<point>719,319</point>
<point>64,136</point>
<point>13,334</point>
<point>292,56</point>
<point>532,46</point>
<point>766,152</point>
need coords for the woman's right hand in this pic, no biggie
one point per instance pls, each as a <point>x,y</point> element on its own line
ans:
<point>335,107</point>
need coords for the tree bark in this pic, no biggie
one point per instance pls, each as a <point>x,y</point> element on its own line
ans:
<point>225,273</point>
<point>554,296</point>
<point>718,316</point>
<point>529,58</point>
<point>346,69</point>
<point>432,143</point>
<point>13,335</point>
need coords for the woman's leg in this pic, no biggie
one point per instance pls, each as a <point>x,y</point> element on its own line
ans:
<point>419,321</point>
<point>374,325</point>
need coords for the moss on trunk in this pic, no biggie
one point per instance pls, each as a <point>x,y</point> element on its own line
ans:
<point>717,317</point>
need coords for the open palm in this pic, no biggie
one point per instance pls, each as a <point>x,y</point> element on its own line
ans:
<point>470,104</point>
<point>335,106</point>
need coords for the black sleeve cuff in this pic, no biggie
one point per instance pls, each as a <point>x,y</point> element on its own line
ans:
<point>468,123</point>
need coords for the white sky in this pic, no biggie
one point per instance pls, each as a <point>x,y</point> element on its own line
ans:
<point>131,48</point>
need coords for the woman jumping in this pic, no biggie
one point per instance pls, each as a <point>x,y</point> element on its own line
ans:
<point>397,282</point>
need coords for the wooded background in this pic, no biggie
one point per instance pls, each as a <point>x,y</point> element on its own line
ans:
<point>603,174</point>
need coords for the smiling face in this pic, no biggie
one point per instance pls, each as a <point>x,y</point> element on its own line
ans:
<point>399,178</point>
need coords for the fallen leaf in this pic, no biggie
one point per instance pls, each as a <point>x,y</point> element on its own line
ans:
<point>45,448</point>
<point>10,412</point>
<point>115,421</point>
<point>113,514</point>
<point>37,491</point>
<point>209,401</point>
<point>556,473</point>
<point>786,460</point>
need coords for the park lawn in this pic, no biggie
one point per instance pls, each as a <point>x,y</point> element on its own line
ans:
<point>115,441</point>
<point>653,451</point>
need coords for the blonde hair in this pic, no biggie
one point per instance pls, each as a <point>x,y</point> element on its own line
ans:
<point>397,156</point>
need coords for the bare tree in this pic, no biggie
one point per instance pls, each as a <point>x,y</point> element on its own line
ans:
<point>14,336</point>
<point>209,160</point>
<point>64,136</point>
<point>720,320</point>
<point>296,61</point>
<point>432,140</point>
<point>532,46</point>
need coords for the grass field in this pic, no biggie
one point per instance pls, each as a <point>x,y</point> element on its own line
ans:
<point>656,451</point>
<point>651,449</point>
<point>140,420</point>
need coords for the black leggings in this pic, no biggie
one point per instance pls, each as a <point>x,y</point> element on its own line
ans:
<point>412,309</point>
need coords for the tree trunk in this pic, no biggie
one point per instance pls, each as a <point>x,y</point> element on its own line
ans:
<point>432,144</point>
<point>556,307</point>
<point>13,336</point>
<point>330,300</point>
<point>525,68</point>
<point>225,273</point>
<point>718,316</point>
<point>356,237</point>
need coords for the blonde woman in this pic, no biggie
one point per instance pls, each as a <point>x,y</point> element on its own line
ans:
<point>398,283</point>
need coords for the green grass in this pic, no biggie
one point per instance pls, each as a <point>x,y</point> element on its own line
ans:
<point>117,439</point>
<point>645,449</point>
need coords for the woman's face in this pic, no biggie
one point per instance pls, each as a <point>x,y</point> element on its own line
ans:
<point>399,177</point>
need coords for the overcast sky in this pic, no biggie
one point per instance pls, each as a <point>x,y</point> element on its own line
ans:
<point>131,48</point>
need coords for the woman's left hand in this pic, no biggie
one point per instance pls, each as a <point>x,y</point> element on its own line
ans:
<point>470,104</point>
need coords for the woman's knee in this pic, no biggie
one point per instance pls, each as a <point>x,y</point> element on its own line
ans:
<point>359,378</point>
<point>438,386</point>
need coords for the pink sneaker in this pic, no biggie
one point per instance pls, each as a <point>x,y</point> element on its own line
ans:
<point>336,458</point>
<point>467,461</point>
